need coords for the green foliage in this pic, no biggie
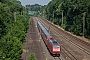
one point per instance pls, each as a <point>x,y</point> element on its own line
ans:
<point>14,5</point>
<point>32,57</point>
<point>12,33</point>
<point>38,9</point>
<point>72,15</point>
<point>4,18</point>
<point>35,7</point>
<point>10,48</point>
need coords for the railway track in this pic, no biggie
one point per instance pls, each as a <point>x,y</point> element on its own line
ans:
<point>70,35</point>
<point>57,58</point>
<point>33,43</point>
<point>69,55</point>
<point>73,42</point>
<point>76,39</point>
<point>49,56</point>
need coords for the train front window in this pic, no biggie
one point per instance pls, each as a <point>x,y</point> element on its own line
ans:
<point>55,42</point>
<point>51,39</point>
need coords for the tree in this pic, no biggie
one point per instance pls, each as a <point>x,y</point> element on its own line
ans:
<point>12,34</point>
<point>72,15</point>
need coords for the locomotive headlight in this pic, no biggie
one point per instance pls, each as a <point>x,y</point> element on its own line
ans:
<point>56,48</point>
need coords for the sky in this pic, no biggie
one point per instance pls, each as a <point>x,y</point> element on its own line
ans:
<point>32,2</point>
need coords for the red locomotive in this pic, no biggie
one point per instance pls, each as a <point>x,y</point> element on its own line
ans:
<point>53,46</point>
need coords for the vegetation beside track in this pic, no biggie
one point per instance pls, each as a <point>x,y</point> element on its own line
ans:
<point>32,57</point>
<point>72,15</point>
<point>13,28</point>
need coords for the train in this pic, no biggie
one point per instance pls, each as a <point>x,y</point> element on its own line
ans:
<point>53,46</point>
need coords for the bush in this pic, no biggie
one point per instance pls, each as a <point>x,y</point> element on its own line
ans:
<point>32,57</point>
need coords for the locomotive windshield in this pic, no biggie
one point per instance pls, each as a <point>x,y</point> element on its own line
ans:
<point>53,41</point>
